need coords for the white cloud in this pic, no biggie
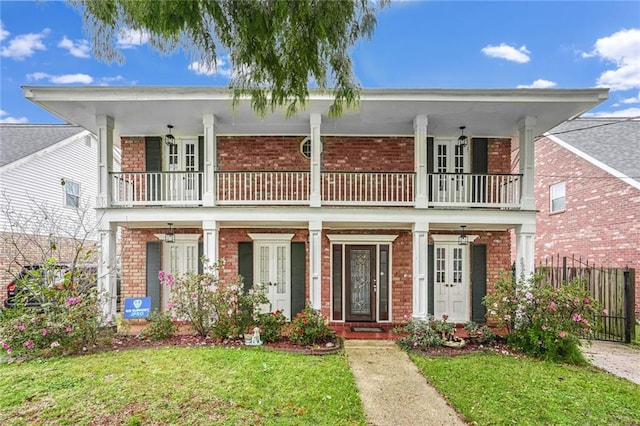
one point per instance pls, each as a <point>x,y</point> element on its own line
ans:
<point>632,100</point>
<point>538,84</point>
<point>220,67</point>
<point>12,120</point>
<point>510,53</point>
<point>629,112</point>
<point>129,39</point>
<point>3,33</point>
<point>623,50</point>
<point>79,48</point>
<point>61,79</point>
<point>105,81</point>
<point>24,45</point>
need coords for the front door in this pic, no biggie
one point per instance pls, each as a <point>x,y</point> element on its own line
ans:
<point>451,285</point>
<point>449,165</point>
<point>181,158</point>
<point>181,257</point>
<point>361,285</point>
<point>271,262</point>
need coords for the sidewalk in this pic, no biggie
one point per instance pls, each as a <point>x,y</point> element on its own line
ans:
<point>392,389</point>
<point>615,358</point>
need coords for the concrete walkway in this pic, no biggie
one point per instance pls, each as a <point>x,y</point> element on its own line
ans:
<point>392,389</point>
<point>616,358</point>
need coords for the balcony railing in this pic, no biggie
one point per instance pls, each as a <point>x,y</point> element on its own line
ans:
<point>336,188</point>
<point>156,188</point>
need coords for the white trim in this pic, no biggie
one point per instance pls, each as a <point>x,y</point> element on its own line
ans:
<point>271,237</point>
<point>181,238</point>
<point>365,239</point>
<point>448,238</point>
<point>626,179</point>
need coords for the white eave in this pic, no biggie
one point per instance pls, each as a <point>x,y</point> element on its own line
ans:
<point>145,111</point>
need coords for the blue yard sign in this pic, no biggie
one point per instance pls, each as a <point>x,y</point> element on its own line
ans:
<point>137,307</point>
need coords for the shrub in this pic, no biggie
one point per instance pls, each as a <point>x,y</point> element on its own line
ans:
<point>160,326</point>
<point>67,321</point>
<point>212,307</point>
<point>271,326</point>
<point>309,327</point>
<point>420,334</point>
<point>482,334</point>
<point>542,320</point>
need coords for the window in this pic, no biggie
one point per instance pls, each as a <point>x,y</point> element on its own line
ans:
<point>71,193</point>
<point>305,147</point>
<point>557,197</point>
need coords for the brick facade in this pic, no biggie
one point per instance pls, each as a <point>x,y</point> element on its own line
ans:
<point>601,221</point>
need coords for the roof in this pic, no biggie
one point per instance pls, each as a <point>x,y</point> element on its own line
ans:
<point>614,142</point>
<point>21,140</point>
<point>147,110</point>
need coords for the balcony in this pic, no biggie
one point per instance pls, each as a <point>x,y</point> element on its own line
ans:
<point>130,189</point>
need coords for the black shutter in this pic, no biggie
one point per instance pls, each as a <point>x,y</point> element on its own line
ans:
<point>298,273</point>
<point>245,263</point>
<point>429,167</point>
<point>430,279</point>
<point>200,254</point>
<point>153,163</point>
<point>336,282</point>
<point>478,282</point>
<point>479,166</point>
<point>153,267</point>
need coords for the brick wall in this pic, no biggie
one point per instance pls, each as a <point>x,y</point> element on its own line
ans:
<point>361,154</point>
<point>133,154</point>
<point>499,156</point>
<point>242,153</point>
<point>601,222</point>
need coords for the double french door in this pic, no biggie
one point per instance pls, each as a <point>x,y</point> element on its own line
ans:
<point>271,261</point>
<point>451,285</point>
<point>178,259</point>
<point>181,158</point>
<point>450,164</point>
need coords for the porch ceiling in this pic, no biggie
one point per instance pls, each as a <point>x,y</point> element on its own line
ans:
<point>145,111</point>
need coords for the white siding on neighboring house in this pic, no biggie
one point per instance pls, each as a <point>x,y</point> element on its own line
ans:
<point>38,177</point>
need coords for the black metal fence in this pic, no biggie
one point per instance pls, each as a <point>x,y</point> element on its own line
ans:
<point>613,288</point>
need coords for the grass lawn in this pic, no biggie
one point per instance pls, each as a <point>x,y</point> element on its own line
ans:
<point>493,389</point>
<point>181,386</point>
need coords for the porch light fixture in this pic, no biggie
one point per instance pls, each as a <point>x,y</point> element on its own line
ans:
<point>463,240</point>
<point>169,139</point>
<point>462,139</point>
<point>170,237</point>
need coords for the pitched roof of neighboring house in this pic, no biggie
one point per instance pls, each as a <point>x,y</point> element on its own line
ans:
<point>612,144</point>
<point>18,141</point>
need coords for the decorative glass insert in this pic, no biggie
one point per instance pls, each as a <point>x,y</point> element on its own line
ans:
<point>305,147</point>
<point>557,195</point>
<point>282,269</point>
<point>360,282</point>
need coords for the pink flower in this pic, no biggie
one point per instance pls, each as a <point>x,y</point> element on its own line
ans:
<point>5,345</point>
<point>44,331</point>
<point>20,327</point>
<point>528,296</point>
<point>576,317</point>
<point>69,329</point>
<point>54,345</point>
<point>170,280</point>
<point>544,327</point>
<point>169,304</point>
<point>28,344</point>
<point>9,351</point>
<point>562,334</point>
<point>539,342</point>
<point>552,307</point>
<point>605,311</point>
<point>586,300</point>
<point>161,275</point>
<point>194,295</point>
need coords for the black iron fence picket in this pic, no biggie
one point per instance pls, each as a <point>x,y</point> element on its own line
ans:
<point>613,288</point>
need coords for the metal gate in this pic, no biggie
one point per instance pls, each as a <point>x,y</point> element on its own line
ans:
<point>613,288</point>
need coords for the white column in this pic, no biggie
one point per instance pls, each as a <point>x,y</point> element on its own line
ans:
<point>315,264</point>
<point>316,160</point>
<point>210,162</point>
<point>107,267</point>
<point>526,127</point>
<point>420,269</point>
<point>525,251</point>
<point>210,244</point>
<point>105,160</point>
<point>420,155</point>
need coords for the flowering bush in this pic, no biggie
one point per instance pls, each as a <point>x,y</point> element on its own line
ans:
<point>421,334</point>
<point>160,326</point>
<point>482,334</point>
<point>212,307</point>
<point>309,327</point>
<point>65,322</point>
<point>542,320</point>
<point>271,325</point>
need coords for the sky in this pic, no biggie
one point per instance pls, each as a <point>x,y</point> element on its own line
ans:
<point>416,44</point>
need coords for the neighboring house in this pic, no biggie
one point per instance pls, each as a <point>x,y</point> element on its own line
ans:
<point>45,170</point>
<point>588,193</point>
<point>358,215</point>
